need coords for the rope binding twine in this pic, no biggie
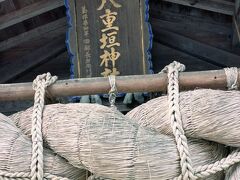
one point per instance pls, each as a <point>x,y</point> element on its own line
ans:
<point>113,91</point>
<point>232,78</point>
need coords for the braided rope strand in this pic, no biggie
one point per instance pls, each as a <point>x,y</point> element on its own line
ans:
<point>176,121</point>
<point>223,164</point>
<point>20,175</point>
<point>39,85</point>
<point>5,175</point>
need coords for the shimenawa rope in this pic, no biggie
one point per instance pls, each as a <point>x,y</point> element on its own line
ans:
<point>43,81</point>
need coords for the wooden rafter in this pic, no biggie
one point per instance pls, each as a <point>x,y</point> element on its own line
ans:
<point>53,29</point>
<point>38,56</point>
<point>236,24</point>
<point>195,48</point>
<point>219,6</point>
<point>28,12</point>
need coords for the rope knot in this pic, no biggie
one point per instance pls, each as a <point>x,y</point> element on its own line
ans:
<point>174,66</point>
<point>44,80</point>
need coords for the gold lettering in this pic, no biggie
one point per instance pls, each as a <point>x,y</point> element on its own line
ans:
<point>109,56</point>
<point>109,40</point>
<point>110,17</point>
<point>114,3</point>
<point>108,72</point>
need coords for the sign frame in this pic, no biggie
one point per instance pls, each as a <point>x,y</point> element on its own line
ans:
<point>146,40</point>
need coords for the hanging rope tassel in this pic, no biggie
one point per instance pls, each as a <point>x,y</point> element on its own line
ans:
<point>176,121</point>
<point>40,85</point>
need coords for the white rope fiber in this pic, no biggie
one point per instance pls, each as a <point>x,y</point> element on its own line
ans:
<point>113,91</point>
<point>232,78</point>
<point>176,122</point>
<point>39,85</point>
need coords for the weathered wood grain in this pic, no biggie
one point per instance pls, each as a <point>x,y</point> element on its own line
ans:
<point>138,83</point>
<point>219,6</point>
<point>58,66</point>
<point>195,48</point>
<point>236,24</point>
<point>163,55</point>
<point>132,36</point>
<point>211,34</point>
<point>15,68</point>
<point>29,12</point>
<point>53,29</point>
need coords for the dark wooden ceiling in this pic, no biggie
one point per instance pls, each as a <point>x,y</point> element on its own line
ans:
<point>200,33</point>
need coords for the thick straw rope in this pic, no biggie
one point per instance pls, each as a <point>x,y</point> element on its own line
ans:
<point>43,81</point>
<point>176,121</point>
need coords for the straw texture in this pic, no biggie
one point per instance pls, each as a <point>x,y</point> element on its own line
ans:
<point>15,155</point>
<point>206,114</point>
<point>110,145</point>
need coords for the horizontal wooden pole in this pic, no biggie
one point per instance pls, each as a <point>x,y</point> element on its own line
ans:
<point>141,83</point>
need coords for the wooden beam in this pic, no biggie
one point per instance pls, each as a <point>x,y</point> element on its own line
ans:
<point>195,48</point>
<point>53,29</point>
<point>236,24</point>
<point>167,54</point>
<point>140,83</point>
<point>29,12</point>
<point>195,24</point>
<point>219,6</point>
<point>16,67</point>
<point>210,33</point>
